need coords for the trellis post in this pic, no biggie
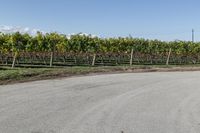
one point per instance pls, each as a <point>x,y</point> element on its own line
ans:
<point>168,57</point>
<point>131,59</point>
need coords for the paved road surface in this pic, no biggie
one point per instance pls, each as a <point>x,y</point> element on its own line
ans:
<point>132,103</point>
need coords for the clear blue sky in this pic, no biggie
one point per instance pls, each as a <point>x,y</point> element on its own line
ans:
<point>161,19</point>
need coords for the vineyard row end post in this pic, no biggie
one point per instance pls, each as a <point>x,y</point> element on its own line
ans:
<point>131,59</point>
<point>168,57</point>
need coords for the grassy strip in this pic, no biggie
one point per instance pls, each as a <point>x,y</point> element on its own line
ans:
<point>8,75</point>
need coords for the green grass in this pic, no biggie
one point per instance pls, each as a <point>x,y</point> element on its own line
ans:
<point>23,74</point>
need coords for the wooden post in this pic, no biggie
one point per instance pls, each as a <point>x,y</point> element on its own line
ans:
<point>94,59</point>
<point>168,57</point>
<point>14,60</point>
<point>6,60</point>
<point>51,59</point>
<point>64,59</point>
<point>131,60</point>
<point>75,60</point>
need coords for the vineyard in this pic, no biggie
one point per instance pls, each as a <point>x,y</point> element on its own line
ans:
<point>53,49</point>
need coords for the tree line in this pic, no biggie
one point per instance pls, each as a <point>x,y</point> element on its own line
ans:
<point>16,43</point>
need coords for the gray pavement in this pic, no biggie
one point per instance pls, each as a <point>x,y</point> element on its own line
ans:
<point>133,103</point>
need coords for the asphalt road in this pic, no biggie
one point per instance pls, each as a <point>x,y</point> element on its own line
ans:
<point>133,103</point>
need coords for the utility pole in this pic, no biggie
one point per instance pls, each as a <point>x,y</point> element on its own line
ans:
<point>192,35</point>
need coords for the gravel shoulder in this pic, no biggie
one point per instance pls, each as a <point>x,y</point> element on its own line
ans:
<point>28,74</point>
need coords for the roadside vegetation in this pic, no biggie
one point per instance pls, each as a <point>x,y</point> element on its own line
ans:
<point>24,74</point>
<point>53,49</point>
<point>26,58</point>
